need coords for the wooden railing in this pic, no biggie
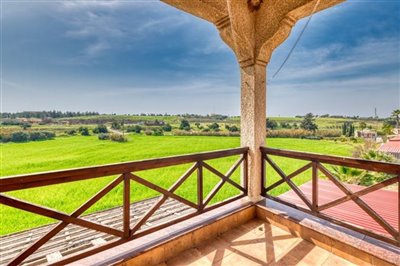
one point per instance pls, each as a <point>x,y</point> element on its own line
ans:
<point>126,174</point>
<point>316,162</point>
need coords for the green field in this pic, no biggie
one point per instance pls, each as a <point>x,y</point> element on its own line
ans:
<point>79,151</point>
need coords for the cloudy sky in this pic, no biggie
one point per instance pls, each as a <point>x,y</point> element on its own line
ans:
<point>145,56</point>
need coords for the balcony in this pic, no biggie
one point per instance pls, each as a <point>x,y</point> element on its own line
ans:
<point>256,225</point>
<point>206,229</point>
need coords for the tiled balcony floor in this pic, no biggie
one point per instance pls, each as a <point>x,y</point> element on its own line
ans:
<point>256,243</point>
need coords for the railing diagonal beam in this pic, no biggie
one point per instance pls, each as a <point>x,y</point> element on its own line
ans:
<point>163,198</point>
<point>223,177</point>
<point>289,182</point>
<point>359,193</point>
<point>364,206</point>
<point>44,211</point>
<point>220,184</point>
<point>290,176</point>
<point>60,226</point>
<point>161,190</point>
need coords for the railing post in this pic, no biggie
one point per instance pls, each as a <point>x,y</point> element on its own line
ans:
<point>126,206</point>
<point>245,166</point>
<point>263,192</point>
<point>200,206</point>
<point>315,186</point>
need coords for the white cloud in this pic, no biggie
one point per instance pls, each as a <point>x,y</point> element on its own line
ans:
<point>370,55</point>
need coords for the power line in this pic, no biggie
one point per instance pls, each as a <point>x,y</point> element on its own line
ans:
<point>297,40</point>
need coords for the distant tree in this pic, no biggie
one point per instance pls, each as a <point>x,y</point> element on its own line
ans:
<point>158,132</point>
<point>185,125</point>
<point>387,129</point>
<point>103,136</point>
<point>167,128</point>
<point>348,129</point>
<point>285,125</point>
<point>271,124</point>
<point>362,125</point>
<point>19,137</point>
<point>233,128</point>
<point>115,125</point>
<point>214,127</point>
<point>136,128</point>
<point>100,129</point>
<point>197,124</point>
<point>71,132</point>
<point>396,116</point>
<point>308,123</point>
<point>84,131</point>
<point>25,126</point>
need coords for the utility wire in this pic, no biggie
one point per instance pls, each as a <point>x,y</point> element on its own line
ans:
<point>298,39</point>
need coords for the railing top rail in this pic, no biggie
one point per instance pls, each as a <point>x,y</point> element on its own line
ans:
<point>389,168</point>
<point>11,183</point>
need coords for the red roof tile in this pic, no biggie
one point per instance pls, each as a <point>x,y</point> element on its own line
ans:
<point>391,146</point>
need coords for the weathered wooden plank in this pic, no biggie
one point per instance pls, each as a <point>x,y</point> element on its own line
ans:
<point>389,168</point>
<point>289,182</point>
<point>215,190</point>
<point>290,176</point>
<point>24,254</point>
<point>315,186</point>
<point>163,198</point>
<point>126,206</point>
<point>57,177</point>
<point>161,190</point>
<point>223,177</point>
<point>26,206</point>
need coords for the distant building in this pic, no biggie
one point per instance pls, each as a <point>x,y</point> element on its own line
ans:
<point>366,134</point>
<point>392,147</point>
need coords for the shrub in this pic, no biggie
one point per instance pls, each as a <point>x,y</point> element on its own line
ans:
<point>25,126</point>
<point>100,129</point>
<point>37,135</point>
<point>203,133</point>
<point>158,132</point>
<point>71,132</point>
<point>10,122</point>
<point>214,127</point>
<point>148,132</point>
<point>136,128</point>
<point>19,136</point>
<point>84,131</point>
<point>103,136</point>
<point>48,134</point>
<point>115,125</point>
<point>41,135</point>
<point>233,129</point>
<point>5,138</point>
<point>184,125</point>
<point>118,137</point>
<point>167,128</point>
<point>271,124</point>
<point>301,133</point>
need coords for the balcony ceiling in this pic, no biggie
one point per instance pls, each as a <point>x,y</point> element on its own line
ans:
<point>253,28</point>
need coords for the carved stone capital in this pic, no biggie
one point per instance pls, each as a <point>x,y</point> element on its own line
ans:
<point>253,29</point>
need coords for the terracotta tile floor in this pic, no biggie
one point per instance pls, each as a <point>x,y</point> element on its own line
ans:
<point>256,243</point>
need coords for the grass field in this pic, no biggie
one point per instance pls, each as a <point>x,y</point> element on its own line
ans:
<point>78,151</point>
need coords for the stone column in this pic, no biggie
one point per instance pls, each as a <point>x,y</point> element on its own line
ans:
<point>253,124</point>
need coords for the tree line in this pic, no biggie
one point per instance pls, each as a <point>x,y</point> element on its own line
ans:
<point>46,114</point>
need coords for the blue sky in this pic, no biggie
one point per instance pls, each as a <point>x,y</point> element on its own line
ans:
<point>145,56</point>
